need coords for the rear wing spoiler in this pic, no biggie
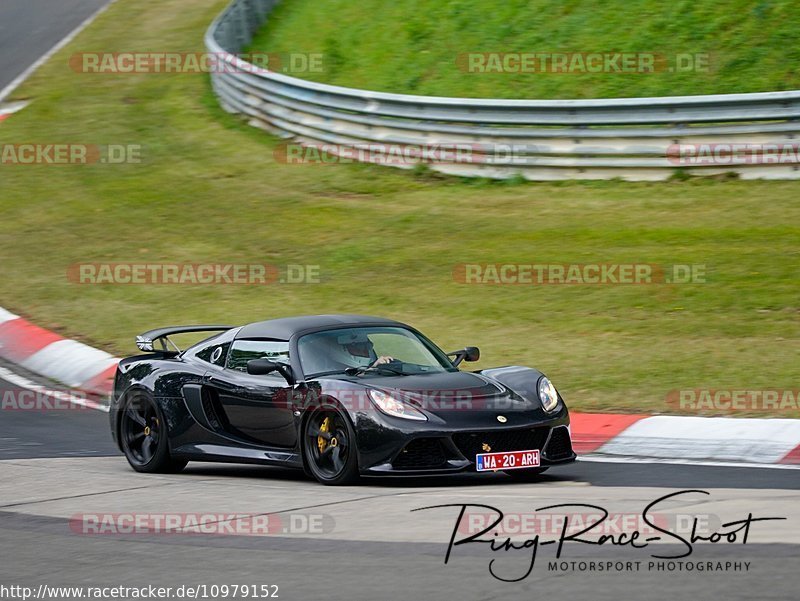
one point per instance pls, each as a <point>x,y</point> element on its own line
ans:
<point>147,341</point>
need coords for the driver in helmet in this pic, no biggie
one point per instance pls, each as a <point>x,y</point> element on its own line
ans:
<point>361,350</point>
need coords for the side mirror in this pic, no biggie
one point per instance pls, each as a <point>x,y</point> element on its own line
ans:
<point>262,367</point>
<point>470,353</point>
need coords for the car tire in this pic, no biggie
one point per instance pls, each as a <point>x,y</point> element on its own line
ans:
<point>143,436</point>
<point>526,475</point>
<point>329,447</point>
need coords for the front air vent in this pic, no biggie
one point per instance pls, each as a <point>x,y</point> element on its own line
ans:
<point>421,453</point>
<point>559,446</point>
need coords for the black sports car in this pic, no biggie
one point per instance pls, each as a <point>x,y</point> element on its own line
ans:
<point>336,395</point>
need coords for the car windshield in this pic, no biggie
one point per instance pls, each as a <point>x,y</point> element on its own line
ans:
<point>395,349</point>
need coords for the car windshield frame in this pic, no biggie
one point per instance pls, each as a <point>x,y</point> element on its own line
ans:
<point>444,364</point>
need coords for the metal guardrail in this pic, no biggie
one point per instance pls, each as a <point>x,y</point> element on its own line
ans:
<point>752,135</point>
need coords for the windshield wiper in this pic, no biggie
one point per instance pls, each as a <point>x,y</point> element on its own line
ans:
<point>357,371</point>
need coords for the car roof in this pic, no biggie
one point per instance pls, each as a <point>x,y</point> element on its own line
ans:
<point>286,327</point>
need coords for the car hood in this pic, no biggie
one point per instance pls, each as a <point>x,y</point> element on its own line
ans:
<point>451,392</point>
<point>457,382</point>
<point>461,399</point>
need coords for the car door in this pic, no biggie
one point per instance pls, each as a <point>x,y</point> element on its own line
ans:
<point>256,408</point>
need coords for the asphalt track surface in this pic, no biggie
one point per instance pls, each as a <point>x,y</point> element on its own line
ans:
<point>29,28</point>
<point>57,466</point>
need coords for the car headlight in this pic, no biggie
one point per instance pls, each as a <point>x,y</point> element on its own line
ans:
<point>548,395</point>
<point>394,407</point>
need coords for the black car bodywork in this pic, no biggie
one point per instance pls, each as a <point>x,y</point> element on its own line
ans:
<point>216,413</point>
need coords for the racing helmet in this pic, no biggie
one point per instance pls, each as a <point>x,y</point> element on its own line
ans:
<point>358,346</point>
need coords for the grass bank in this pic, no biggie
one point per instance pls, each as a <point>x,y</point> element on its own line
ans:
<point>209,190</point>
<point>423,46</point>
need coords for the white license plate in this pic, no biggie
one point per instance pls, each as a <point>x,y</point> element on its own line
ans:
<point>513,460</point>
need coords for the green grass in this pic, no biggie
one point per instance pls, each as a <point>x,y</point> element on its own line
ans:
<point>412,46</point>
<point>386,240</point>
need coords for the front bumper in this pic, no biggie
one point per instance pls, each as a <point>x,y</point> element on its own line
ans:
<point>452,450</point>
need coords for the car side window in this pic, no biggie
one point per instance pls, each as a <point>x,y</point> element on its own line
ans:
<point>243,351</point>
<point>215,354</point>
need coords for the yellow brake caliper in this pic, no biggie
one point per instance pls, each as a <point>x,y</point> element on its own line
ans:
<point>325,427</point>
